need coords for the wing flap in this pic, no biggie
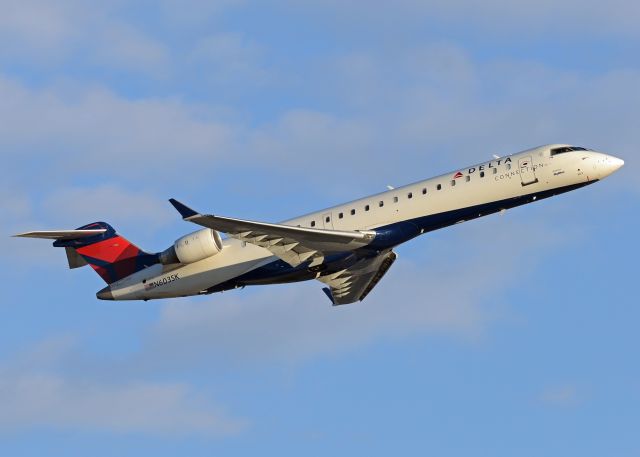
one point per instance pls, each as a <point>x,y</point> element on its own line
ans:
<point>356,282</point>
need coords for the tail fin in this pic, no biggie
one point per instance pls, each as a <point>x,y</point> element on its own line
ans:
<point>112,256</point>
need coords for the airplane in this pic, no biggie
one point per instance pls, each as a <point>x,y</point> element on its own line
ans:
<point>348,247</point>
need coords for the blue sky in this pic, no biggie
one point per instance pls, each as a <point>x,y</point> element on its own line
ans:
<point>510,335</point>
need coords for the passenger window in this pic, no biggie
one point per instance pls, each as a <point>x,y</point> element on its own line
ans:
<point>380,203</point>
<point>439,187</point>
<point>327,219</point>
<point>366,208</point>
<point>508,166</point>
<point>424,191</point>
<point>453,183</point>
<point>353,212</point>
<point>395,199</point>
<point>495,171</point>
<point>467,178</point>
<point>313,223</point>
<point>482,174</point>
<point>409,195</point>
<point>340,215</point>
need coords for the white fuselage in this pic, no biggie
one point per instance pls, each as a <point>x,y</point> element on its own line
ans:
<point>534,173</point>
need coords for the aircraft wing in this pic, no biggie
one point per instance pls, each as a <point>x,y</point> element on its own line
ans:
<point>354,283</point>
<point>294,245</point>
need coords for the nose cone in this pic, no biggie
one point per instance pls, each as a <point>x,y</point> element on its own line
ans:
<point>105,294</point>
<point>611,165</point>
<point>616,163</point>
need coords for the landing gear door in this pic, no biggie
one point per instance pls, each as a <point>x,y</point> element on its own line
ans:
<point>527,171</point>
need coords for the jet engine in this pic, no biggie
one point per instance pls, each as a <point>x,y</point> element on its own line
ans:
<point>193,247</point>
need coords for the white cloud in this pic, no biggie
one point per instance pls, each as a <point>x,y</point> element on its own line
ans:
<point>106,202</point>
<point>106,35</point>
<point>494,17</point>
<point>120,45</point>
<point>195,12</point>
<point>34,393</point>
<point>230,58</point>
<point>17,211</point>
<point>560,396</point>
<point>49,400</point>
<point>404,109</point>
<point>96,131</point>
<point>35,26</point>
<point>297,323</point>
<point>301,139</point>
<point>435,104</point>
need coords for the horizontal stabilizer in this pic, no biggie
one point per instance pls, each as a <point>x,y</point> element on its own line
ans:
<point>62,234</point>
<point>97,244</point>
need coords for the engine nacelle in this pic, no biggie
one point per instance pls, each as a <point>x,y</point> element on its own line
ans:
<point>193,247</point>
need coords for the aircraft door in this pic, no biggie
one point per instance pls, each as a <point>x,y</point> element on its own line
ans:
<point>327,221</point>
<point>527,172</point>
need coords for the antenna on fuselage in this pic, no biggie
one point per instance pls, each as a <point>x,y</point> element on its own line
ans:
<point>496,156</point>
<point>390,187</point>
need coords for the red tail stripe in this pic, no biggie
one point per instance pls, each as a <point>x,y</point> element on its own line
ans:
<point>111,250</point>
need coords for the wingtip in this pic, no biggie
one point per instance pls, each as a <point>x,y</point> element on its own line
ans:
<point>183,209</point>
<point>328,293</point>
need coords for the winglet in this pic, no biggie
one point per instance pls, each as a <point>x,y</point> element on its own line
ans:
<point>184,210</point>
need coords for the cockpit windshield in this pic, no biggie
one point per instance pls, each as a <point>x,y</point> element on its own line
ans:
<point>564,149</point>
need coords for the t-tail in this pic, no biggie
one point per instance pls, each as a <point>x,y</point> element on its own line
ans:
<point>111,255</point>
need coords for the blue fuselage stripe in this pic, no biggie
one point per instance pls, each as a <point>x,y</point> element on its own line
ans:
<point>388,236</point>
